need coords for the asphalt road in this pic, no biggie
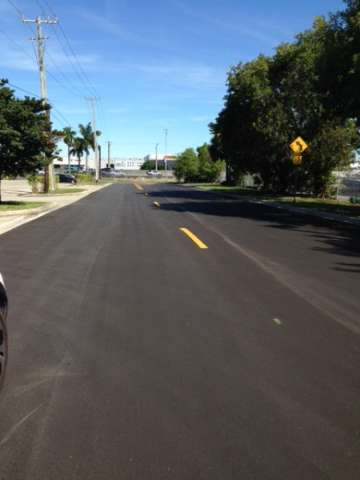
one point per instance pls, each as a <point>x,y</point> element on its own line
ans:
<point>137,355</point>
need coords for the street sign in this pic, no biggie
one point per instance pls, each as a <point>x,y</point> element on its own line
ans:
<point>298,146</point>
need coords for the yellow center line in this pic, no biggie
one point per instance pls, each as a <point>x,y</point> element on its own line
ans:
<point>157,204</point>
<point>194,238</point>
<point>139,187</point>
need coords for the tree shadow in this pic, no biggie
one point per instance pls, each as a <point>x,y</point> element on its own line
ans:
<point>342,239</point>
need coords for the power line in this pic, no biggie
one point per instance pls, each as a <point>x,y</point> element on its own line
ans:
<point>67,85</point>
<point>17,45</point>
<point>73,58</point>
<point>21,15</point>
<point>18,11</point>
<point>32,94</point>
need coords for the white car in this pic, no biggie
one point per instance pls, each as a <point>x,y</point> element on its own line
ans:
<point>153,173</point>
<point>3,331</point>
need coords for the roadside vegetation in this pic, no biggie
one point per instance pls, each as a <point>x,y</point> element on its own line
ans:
<point>198,166</point>
<point>309,88</point>
<point>27,140</point>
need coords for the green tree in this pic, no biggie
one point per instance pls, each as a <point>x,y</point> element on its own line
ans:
<point>208,169</point>
<point>151,165</point>
<point>78,149</point>
<point>272,100</point>
<point>87,134</point>
<point>68,138</point>
<point>187,166</point>
<point>26,139</point>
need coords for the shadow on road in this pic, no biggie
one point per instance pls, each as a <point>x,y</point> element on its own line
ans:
<point>333,237</point>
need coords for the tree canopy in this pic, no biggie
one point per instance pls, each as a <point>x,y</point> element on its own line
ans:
<point>197,166</point>
<point>306,88</point>
<point>27,141</point>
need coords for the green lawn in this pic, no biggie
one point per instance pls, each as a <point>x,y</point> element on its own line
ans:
<point>61,191</point>
<point>325,205</point>
<point>64,191</point>
<point>14,205</point>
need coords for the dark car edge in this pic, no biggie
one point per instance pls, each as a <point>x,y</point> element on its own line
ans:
<point>3,331</point>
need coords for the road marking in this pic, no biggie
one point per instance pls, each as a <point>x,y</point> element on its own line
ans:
<point>157,204</point>
<point>194,238</point>
<point>139,187</point>
<point>278,322</point>
<point>18,425</point>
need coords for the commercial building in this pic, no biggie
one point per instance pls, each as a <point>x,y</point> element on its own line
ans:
<point>164,161</point>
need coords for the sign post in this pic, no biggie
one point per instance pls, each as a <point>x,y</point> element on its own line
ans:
<point>298,147</point>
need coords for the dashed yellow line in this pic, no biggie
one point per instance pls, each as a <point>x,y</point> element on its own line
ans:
<point>157,204</point>
<point>194,238</point>
<point>138,187</point>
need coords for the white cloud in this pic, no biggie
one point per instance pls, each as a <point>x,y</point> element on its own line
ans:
<point>173,72</point>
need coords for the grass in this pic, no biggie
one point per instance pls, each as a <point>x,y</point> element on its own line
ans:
<point>341,207</point>
<point>15,205</point>
<point>63,191</point>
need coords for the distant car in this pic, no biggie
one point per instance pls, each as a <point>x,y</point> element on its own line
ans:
<point>3,331</point>
<point>112,173</point>
<point>66,178</point>
<point>153,173</point>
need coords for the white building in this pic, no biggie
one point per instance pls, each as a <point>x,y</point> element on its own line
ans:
<point>127,163</point>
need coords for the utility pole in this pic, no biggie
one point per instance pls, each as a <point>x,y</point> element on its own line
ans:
<point>92,101</point>
<point>49,181</point>
<point>109,155</point>
<point>156,156</point>
<point>165,141</point>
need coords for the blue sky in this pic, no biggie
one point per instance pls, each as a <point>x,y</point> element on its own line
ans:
<point>154,64</point>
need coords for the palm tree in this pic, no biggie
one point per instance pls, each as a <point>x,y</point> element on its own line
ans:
<point>87,134</point>
<point>68,137</point>
<point>78,148</point>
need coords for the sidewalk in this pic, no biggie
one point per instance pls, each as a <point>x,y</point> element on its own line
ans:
<point>19,190</point>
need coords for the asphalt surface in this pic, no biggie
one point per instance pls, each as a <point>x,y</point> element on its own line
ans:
<point>137,355</point>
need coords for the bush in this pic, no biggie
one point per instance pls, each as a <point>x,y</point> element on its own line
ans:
<point>85,178</point>
<point>151,165</point>
<point>197,167</point>
<point>36,182</point>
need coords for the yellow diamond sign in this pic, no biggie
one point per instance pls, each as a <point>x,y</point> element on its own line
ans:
<point>298,146</point>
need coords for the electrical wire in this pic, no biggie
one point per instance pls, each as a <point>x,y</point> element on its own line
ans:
<point>73,58</point>
<point>32,94</point>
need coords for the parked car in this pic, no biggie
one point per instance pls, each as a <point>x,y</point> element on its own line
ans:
<point>66,178</point>
<point>3,331</point>
<point>153,173</point>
